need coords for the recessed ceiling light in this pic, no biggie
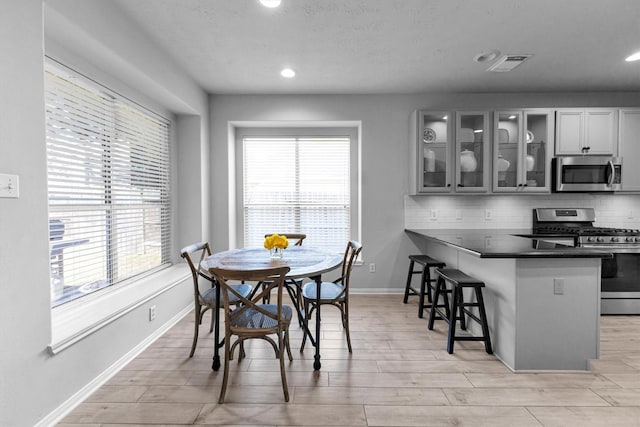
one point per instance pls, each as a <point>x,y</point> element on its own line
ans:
<point>270,3</point>
<point>486,56</point>
<point>511,117</point>
<point>288,73</point>
<point>634,57</point>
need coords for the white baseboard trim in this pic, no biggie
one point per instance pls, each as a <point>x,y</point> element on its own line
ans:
<point>70,404</point>
<point>375,291</point>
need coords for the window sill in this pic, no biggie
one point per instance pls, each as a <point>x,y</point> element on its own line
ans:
<point>76,320</point>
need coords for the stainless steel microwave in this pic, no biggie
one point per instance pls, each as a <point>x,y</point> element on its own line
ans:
<point>587,173</point>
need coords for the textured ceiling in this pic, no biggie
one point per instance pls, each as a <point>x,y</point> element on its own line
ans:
<point>395,46</point>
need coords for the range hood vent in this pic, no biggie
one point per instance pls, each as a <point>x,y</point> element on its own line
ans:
<point>508,62</point>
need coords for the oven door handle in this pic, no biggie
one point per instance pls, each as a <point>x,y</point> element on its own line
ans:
<point>612,172</point>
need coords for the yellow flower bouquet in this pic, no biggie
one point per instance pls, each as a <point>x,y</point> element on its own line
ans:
<point>276,245</point>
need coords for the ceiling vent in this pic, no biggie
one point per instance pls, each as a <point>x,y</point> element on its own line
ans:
<point>508,62</point>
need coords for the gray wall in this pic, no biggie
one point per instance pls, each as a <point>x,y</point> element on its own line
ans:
<point>33,383</point>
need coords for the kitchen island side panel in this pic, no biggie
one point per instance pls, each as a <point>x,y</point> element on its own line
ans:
<point>558,326</point>
<point>531,327</point>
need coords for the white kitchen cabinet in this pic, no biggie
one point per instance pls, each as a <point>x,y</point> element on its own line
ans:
<point>629,148</point>
<point>522,150</point>
<point>592,131</point>
<point>449,152</point>
<point>430,158</point>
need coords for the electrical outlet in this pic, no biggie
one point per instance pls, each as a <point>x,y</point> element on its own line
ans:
<point>488,215</point>
<point>558,286</point>
<point>152,313</point>
<point>372,267</point>
<point>434,214</point>
<point>459,214</point>
<point>630,214</point>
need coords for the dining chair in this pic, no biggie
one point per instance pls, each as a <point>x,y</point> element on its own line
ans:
<point>297,238</point>
<point>293,285</point>
<point>252,319</point>
<point>208,299</point>
<point>334,293</point>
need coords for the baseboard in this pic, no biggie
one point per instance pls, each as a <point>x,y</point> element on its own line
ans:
<point>375,291</point>
<point>70,404</point>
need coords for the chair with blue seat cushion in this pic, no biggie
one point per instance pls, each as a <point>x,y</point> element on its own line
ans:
<point>205,300</point>
<point>334,293</point>
<point>293,286</point>
<point>252,319</point>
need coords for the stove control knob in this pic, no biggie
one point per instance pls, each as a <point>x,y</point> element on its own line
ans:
<point>599,239</point>
<point>614,239</point>
<point>637,239</point>
<point>629,239</point>
<point>590,239</point>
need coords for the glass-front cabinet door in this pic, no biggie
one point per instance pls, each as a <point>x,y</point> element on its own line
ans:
<point>472,152</point>
<point>508,152</point>
<point>434,148</point>
<point>522,161</point>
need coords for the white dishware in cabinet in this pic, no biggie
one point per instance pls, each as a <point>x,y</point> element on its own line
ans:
<point>523,140</point>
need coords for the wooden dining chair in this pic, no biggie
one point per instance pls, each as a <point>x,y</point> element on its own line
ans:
<point>297,238</point>
<point>334,293</point>
<point>205,300</point>
<point>294,285</point>
<point>252,319</point>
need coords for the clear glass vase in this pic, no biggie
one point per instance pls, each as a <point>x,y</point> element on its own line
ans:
<point>276,253</point>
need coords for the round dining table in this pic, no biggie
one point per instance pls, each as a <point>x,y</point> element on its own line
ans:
<point>303,261</point>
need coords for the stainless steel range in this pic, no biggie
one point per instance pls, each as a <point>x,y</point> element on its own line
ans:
<point>620,274</point>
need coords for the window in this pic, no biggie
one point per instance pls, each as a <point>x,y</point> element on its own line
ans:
<point>108,184</point>
<point>300,183</point>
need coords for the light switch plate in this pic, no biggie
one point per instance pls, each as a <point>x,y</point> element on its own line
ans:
<point>9,185</point>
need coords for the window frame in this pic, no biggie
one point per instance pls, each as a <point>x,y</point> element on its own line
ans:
<point>76,320</point>
<point>118,103</point>
<point>333,129</point>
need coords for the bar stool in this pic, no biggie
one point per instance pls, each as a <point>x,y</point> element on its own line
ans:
<point>425,279</point>
<point>459,281</point>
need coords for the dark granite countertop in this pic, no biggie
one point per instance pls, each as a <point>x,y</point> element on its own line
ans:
<point>505,243</point>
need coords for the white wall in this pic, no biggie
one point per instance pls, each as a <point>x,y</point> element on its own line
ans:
<point>385,156</point>
<point>34,384</point>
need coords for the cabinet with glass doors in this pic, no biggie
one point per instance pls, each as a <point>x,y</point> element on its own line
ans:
<point>450,152</point>
<point>472,152</point>
<point>523,146</point>
<point>430,162</point>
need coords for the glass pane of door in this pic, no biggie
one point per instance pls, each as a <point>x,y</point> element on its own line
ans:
<point>471,137</point>
<point>536,149</point>
<point>509,125</point>
<point>435,144</point>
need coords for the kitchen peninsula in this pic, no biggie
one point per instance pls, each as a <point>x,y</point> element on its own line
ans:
<point>542,299</point>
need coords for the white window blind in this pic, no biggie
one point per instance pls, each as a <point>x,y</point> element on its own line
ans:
<point>108,183</point>
<point>297,185</point>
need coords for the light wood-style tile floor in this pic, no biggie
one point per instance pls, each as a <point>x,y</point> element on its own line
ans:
<point>398,375</point>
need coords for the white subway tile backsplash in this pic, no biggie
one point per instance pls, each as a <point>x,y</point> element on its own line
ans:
<point>612,210</point>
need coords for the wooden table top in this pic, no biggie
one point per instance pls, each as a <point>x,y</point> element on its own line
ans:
<point>304,261</point>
